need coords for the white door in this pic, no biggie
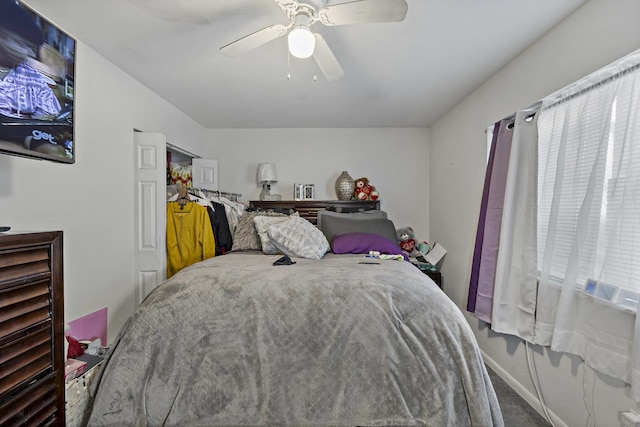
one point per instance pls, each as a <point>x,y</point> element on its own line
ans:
<point>150,212</point>
<point>205,173</point>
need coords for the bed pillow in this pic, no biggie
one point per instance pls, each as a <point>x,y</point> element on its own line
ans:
<point>335,226</point>
<point>245,236</point>
<point>362,243</point>
<point>297,237</point>
<point>262,224</point>
<point>370,214</point>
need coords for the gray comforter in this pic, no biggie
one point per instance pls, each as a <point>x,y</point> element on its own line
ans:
<point>235,340</point>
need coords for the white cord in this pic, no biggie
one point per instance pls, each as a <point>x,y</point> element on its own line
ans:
<point>590,409</point>
<point>536,385</point>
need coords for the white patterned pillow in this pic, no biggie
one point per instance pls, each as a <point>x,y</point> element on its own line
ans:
<point>297,237</point>
<point>262,224</point>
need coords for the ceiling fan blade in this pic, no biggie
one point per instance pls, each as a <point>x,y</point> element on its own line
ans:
<point>326,60</point>
<point>287,3</point>
<point>363,12</point>
<point>254,40</point>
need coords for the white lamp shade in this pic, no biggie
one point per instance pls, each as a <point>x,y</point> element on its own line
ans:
<point>302,42</point>
<point>266,173</point>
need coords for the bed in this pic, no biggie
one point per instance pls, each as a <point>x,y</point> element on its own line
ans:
<point>333,341</point>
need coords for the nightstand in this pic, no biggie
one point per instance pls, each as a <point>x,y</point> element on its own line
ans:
<point>77,391</point>
<point>436,276</point>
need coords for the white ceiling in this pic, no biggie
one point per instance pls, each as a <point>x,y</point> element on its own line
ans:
<point>405,74</point>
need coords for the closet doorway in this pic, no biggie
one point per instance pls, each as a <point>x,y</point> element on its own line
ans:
<point>150,205</point>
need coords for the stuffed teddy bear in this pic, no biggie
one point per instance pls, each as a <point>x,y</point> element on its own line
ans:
<point>407,242</point>
<point>365,191</point>
<point>374,194</point>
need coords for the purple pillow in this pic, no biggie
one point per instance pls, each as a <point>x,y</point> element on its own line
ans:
<point>362,243</point>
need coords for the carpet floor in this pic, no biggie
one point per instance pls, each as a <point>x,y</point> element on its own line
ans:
<point>515,410</point>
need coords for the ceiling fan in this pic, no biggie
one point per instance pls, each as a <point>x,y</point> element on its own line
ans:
<point>302,16</point>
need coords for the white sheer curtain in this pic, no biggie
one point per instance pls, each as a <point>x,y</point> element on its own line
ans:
<point>589,227</point>
<point>514,307</point>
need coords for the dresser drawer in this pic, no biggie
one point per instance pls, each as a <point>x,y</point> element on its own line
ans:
<point>24,307</point>
<point>24,264</point>
<point>24,360</point>
<point>34,406</point>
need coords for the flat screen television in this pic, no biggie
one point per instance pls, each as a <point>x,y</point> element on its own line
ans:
<point>37,71</point>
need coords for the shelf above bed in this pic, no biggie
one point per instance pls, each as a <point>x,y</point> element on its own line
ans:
<point>308,209</point>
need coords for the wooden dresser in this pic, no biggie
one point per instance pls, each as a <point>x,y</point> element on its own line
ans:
<point>31,329</point>
<point>308,209</point>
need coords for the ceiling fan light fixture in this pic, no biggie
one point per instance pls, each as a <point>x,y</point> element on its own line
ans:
<point>301,40</point>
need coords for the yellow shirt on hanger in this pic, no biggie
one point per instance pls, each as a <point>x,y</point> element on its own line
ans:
<point>189,236</point>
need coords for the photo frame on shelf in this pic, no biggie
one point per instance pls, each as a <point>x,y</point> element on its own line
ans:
<point>309,192</point>
<point>298,191</point>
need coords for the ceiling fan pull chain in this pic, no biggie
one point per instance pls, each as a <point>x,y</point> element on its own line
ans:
<point>288,65</point>
<point>315,71</point>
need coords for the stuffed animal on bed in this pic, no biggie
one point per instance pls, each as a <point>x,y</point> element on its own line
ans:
<point>407,242</point>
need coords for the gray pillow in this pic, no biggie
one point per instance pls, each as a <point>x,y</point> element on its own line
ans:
<point>245,236</point>
<point>370,214</point>
<point>334,226</point>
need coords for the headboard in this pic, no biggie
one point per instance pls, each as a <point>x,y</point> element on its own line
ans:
<point>308,209</point>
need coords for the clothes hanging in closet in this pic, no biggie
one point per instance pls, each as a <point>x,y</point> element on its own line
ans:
<point>189,236</point>
<point>221,228</point>
<point>218,218</point>
<point>233,211</point>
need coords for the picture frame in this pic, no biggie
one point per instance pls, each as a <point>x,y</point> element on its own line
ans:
<point>309,192</point>
<point>298,191</point>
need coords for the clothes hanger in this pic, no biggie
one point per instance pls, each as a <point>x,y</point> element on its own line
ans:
<point>183,196</point>
<point>198,196</point>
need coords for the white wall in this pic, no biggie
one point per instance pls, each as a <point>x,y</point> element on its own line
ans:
<point>92,200</point>
<point>597,34</point>
<point>394,160</point>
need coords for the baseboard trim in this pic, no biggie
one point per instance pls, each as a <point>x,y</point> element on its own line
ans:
<point>522,391</point>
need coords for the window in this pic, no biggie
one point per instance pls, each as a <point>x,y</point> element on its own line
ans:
<point>589,190</point>
<point>558,240</point>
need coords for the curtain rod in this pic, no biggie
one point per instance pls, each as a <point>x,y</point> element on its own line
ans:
<point>533,107</point>
<point>629,64</point>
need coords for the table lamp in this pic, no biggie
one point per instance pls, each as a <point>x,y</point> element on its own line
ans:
<point>267,175</point>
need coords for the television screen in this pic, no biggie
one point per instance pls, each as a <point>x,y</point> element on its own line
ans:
<point>36,85</point>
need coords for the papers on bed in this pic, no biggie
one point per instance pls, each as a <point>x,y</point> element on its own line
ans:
<point>378,255</point>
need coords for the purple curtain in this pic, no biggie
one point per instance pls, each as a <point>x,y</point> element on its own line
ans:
<point>475,266</point>
<point>485,256</point>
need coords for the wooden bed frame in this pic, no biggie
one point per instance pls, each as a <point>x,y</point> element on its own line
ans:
<point>308,209</point>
